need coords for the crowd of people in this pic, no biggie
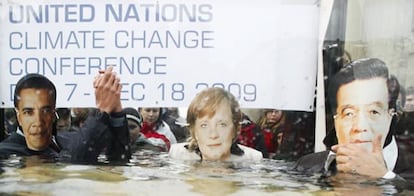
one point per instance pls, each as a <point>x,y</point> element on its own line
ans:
<point>372,135</point>
<point>277,134</point>
<point>158,129</point>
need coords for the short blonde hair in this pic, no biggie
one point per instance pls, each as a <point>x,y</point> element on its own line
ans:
<point>206,103</point>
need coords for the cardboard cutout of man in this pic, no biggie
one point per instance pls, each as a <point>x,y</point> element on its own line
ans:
<point>364,110</point>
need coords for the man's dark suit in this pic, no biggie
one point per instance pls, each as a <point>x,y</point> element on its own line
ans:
<point>314,163</point>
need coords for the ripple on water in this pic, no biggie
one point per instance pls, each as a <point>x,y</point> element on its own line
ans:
<point>148,171</point>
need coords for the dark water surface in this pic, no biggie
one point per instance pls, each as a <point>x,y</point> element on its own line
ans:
<point>148,173</point>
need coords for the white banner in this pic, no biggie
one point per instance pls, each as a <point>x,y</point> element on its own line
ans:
<point>264,52</point>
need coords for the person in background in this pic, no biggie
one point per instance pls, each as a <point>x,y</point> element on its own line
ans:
<point>409,99</point>
<point>301,141</point>
<point>275,128</point>
<point>10,121</point>
<point>155,130</point>
<point>251,135</point>
<point>134,123</point>
<point>35,105</point>
<point>79,116</point>
<point>364,118</point>
<point>137,139</point>
<point>405,125</point>
<point>176,123</point>
<point>64,121</point>
<point>394,85</point>
<point>214,120</point>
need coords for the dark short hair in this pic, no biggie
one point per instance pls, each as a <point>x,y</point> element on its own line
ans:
<point>35,81</point>
<point>362,69</point>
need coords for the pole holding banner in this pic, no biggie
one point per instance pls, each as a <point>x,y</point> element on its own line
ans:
<point>320,124</point>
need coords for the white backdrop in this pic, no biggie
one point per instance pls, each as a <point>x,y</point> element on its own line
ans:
<point>264,52</point>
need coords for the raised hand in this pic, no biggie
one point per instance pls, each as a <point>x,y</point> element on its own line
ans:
<point>107,91</point>
<point>353,158</point>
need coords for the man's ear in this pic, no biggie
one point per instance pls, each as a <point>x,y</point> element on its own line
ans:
<point>56,117</point>
<point>17,119</point>
<point>17,115</point>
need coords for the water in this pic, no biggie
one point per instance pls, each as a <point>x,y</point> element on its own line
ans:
<point>149,173</point>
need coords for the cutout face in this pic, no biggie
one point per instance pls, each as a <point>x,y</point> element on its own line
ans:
<point>36,114</point>
<point>215,134</point>
<point>362,112</point>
